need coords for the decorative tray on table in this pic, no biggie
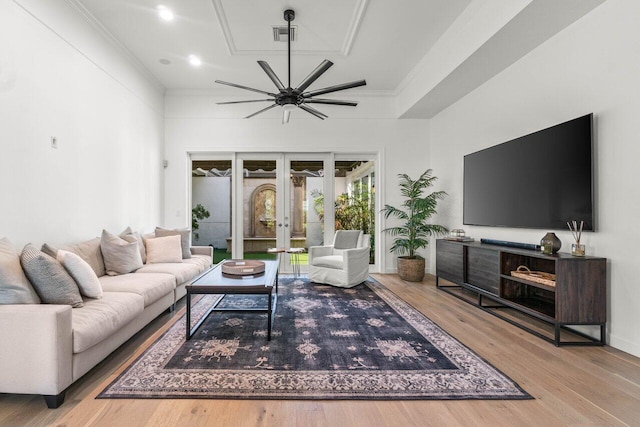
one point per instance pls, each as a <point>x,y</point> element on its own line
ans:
<point>242,267</point>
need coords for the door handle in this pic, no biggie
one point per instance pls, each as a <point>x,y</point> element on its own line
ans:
<point>280,225</point>
<point>286,225</point>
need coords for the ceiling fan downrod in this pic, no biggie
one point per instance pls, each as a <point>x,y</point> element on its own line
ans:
<point>289,15</point>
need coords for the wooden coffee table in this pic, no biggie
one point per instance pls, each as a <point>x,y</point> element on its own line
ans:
<point>214,281</point>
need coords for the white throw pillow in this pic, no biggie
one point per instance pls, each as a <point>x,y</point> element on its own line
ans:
<point>164,249</point>
<point>185,238</point>
<point>82,273</point>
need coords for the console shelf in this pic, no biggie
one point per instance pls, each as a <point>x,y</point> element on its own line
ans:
<point>484,270</point>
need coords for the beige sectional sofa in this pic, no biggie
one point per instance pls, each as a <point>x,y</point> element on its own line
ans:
<point>47,347</point>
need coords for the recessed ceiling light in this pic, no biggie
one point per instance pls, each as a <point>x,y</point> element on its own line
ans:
<point>195,60</point>
<point>165,13</point>
<point>164,61</point>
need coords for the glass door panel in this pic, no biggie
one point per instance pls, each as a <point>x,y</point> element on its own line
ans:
<point>260,207</point>
<point>354,187</point>
<point>211,193</point>
<point>306,193</point>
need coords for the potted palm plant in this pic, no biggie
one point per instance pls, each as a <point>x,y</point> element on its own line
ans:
<point>415,231</point>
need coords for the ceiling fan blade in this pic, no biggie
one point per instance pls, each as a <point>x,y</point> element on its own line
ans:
<point>334,88</point>
<point>242,102</point>
<point>261,111</point>
<point>286,114</point>
<point>330,101</point>
<point>320,69</point>
<point>267,69</point>
<point>313,111</point>
<point>245,88</point>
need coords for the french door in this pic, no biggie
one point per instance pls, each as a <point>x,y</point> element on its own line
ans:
<point>278,204</point>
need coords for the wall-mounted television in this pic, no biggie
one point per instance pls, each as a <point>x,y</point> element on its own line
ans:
<point>541,180</point>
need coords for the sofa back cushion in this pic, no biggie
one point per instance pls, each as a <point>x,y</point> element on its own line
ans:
<point>49,278</point>
<point>185,237</point>
<point>88,250</point>
<point>14,286</point>
<point>121,255</point>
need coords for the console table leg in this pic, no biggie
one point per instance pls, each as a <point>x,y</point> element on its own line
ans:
<point>556,340</point>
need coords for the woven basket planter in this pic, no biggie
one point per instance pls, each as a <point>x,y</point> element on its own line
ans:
<point>411,269</point>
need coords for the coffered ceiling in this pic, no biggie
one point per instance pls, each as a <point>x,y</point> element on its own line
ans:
<point>418,51</point>
<point>376,40</point>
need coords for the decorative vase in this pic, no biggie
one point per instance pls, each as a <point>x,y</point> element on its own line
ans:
<point>550,244</point>
<point>411,269</point>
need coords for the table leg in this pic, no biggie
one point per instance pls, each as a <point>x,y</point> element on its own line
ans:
<point>295,263</point>
<point>188,320</point>
<point>269,314</point>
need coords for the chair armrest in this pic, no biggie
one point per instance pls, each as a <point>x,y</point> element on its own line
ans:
<point>202,250</point>
<point>318,251</point>
<point>37,349</point>
<point>356,258</point>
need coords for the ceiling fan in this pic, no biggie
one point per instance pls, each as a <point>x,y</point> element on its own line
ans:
<point>287,97</point>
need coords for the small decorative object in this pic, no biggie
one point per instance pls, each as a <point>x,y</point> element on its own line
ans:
<point>577,249</point>
<point>457,232</point>
<point>242,267</point>
<point>550,244</point>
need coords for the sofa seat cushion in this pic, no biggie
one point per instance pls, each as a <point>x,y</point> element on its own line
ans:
<point>329,261</point>
<point>181,271</point>
<point>101,318</point>
<point>202,261</point>
<point>151,287</point>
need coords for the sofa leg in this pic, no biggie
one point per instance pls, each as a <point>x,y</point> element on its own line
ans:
<point>171,308</point>
<point>54,400</point>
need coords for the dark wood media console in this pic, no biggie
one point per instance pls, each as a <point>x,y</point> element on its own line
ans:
<point>579,296</point>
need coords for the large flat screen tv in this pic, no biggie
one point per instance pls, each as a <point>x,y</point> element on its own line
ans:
<point>541,180</point>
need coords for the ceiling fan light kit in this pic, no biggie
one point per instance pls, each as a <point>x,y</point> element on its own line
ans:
<point>287,97</point>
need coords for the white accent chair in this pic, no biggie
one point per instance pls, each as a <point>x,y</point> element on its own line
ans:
<point>345,263</point>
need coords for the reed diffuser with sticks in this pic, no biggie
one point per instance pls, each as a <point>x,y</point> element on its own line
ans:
<point>577,248</point>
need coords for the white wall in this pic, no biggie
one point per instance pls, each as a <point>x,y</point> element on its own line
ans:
<point>592,66</point>
<point>194,124</point>
<point>60,77</point>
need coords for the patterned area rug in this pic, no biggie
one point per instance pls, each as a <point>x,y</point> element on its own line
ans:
<point>327,343</point>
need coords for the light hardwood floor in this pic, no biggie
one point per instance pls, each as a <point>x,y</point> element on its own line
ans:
<point>596,386</point>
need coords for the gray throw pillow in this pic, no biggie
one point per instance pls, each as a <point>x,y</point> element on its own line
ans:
<point>49,278</point>
<point>346,239</point>
<point>14,286</point>
<point>185,238</point>
<point>138,236</point>
<point>121,255</point>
